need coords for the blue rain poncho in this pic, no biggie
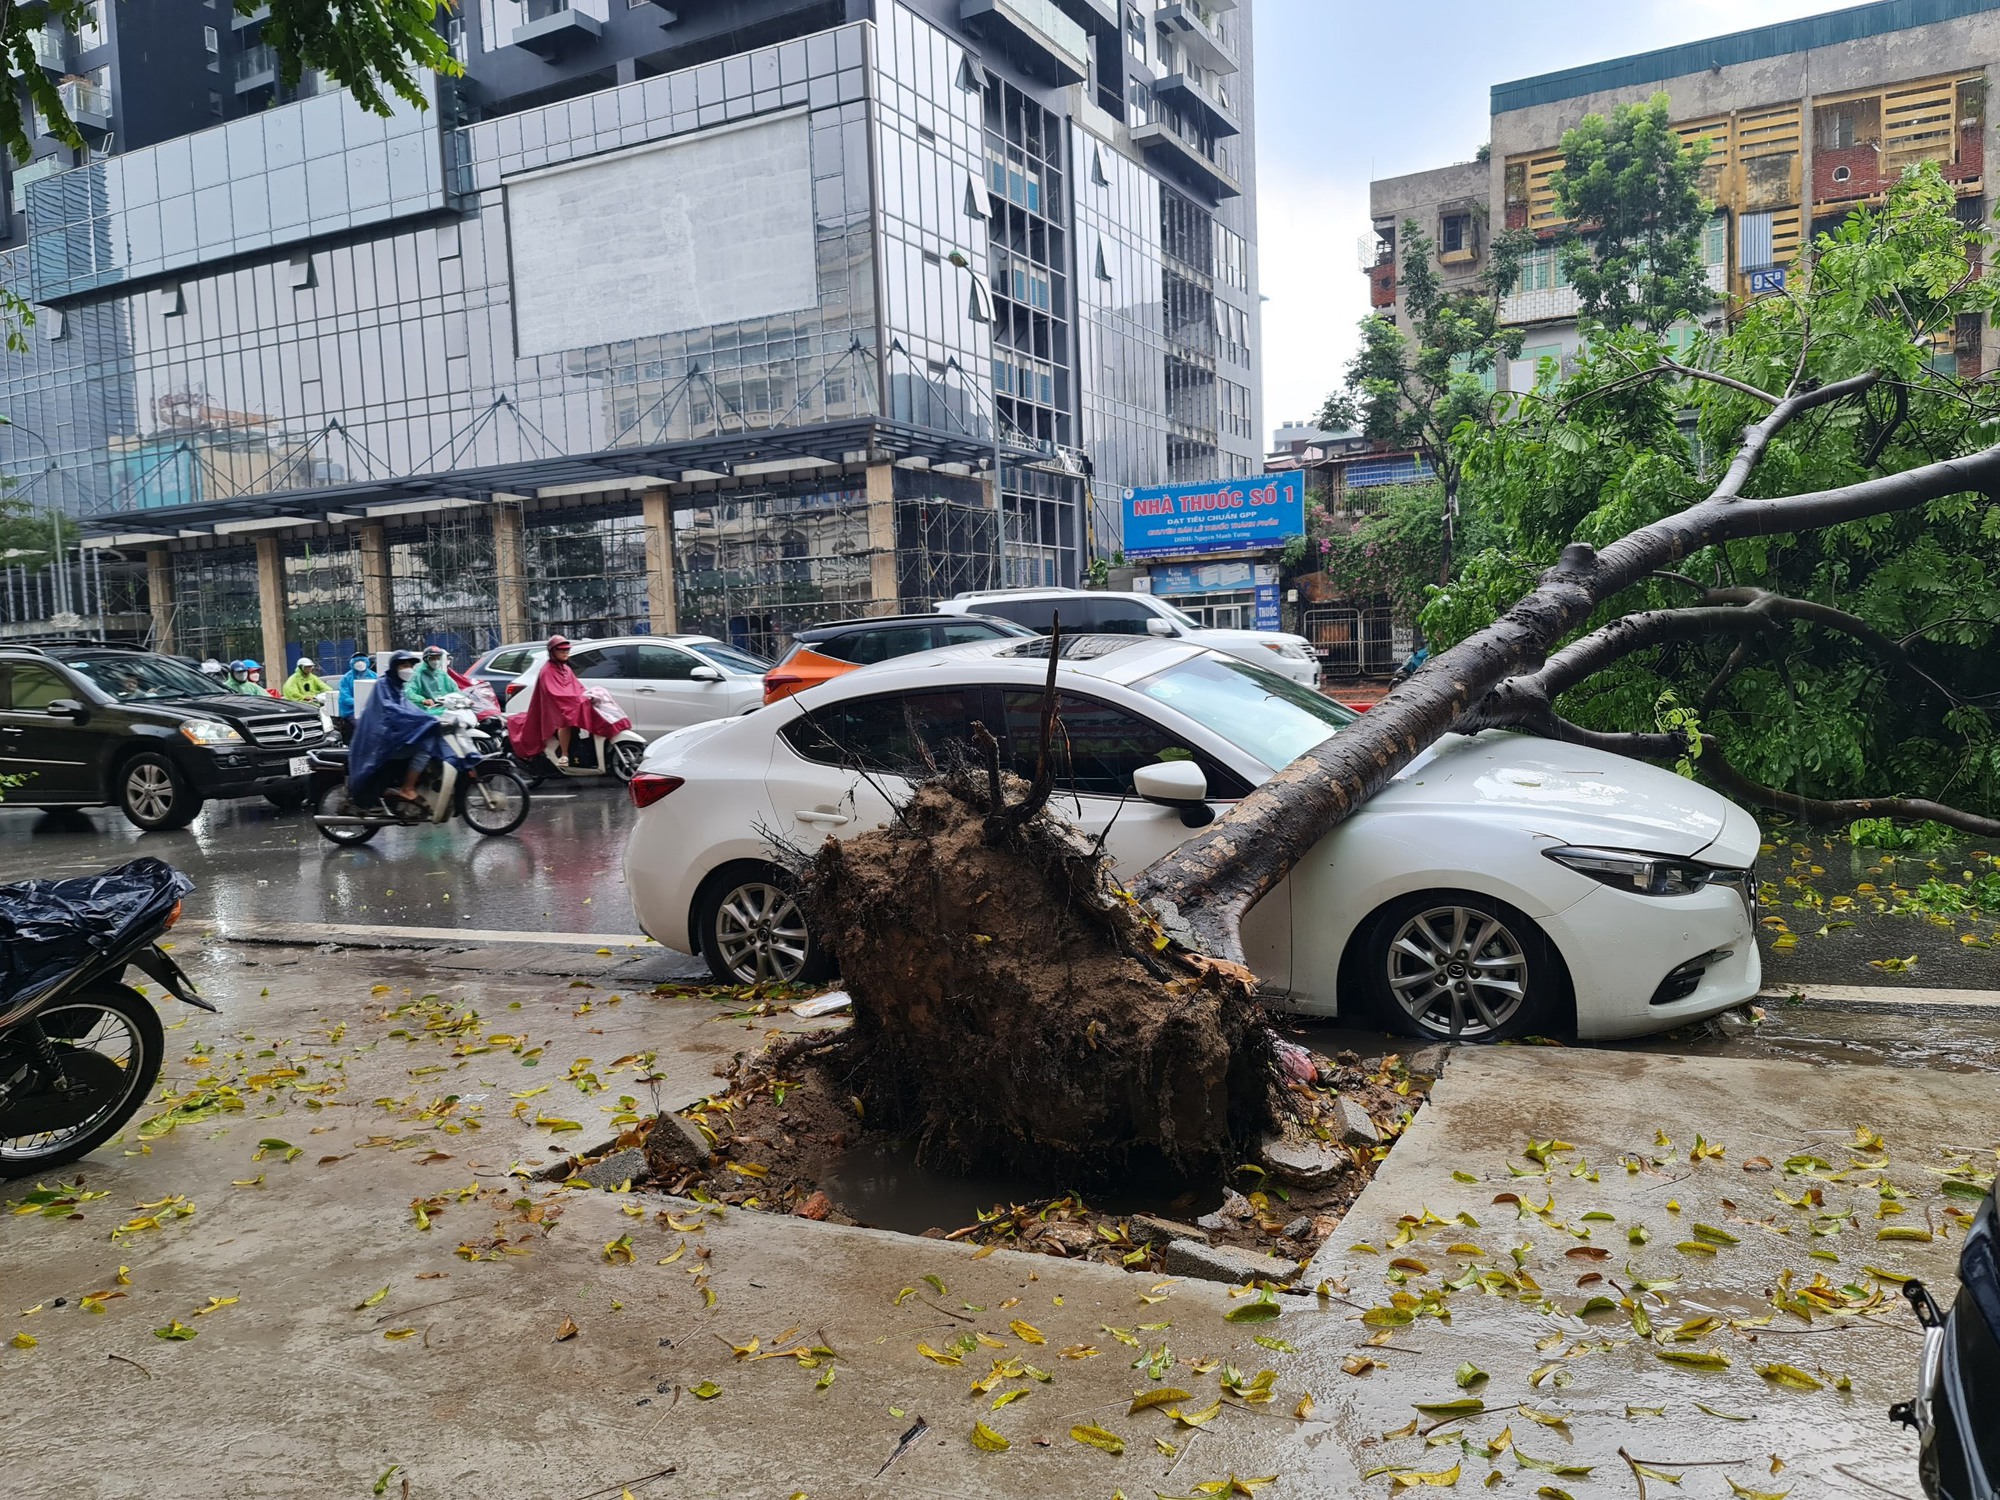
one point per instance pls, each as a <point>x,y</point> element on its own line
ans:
<point>389,732</point>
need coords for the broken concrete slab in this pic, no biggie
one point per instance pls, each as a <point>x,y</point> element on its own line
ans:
<point>1354,1125</point>
<point>1153,1227</point>
<point>1303,1162</point>
<point>617,1169</point>
<point>1226,1263</point>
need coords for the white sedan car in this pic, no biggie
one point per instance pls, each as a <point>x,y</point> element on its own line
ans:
<point>663,682</point>
<point>1500,886</point>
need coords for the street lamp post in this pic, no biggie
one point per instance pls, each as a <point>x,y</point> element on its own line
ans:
<point>982,312</point>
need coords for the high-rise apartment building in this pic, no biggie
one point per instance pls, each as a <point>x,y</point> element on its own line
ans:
<point>716,315</point>
<point>1805,121</point>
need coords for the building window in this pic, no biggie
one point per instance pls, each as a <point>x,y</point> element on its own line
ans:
<point>210,42</point>
<point>215,104</point>
<point>1715,241</point>
<point>1542,271</point>
<point>1455,235</point>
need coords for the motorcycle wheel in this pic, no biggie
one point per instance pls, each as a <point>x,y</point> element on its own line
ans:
<point>335,803</point>
<point>625,760</point>
<point>495,803</point>
<point>110,1042</point>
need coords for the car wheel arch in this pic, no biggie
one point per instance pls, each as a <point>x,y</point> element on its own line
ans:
<point>1351,980</point>
<point>713,881</point>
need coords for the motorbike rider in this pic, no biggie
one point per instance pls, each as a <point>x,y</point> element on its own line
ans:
<point>432,684</point>
<point>359,669</point>
<point>239,680</point>
<point>305,684</point>
<point>256,671</point>
<point>556,707</point>
<point>393,731</point>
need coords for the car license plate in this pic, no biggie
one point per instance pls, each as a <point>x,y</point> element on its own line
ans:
<point>299,766</point>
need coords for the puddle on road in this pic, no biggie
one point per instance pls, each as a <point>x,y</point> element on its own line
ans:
<point>881,1184</point>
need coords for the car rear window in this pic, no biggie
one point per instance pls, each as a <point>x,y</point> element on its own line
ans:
<point>861,647</point>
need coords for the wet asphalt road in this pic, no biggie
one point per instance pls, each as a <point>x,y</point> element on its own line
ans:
<point>563,871</point>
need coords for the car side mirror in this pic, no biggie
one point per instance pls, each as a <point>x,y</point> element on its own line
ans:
<point>64,708</point>
<point>705,674</point>
<point>1172,783</point>
<point>1157,626</point>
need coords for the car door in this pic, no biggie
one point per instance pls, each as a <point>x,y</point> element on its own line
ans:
<point>665,693</point>
<point>55,754</point>
<point>1098,746</point>
<point>842,768</point>
<point>609,668</point>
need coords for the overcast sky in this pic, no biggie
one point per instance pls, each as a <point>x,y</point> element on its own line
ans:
<point>1350,90</point>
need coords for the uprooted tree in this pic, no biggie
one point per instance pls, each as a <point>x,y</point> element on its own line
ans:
<point>1014,1005</point>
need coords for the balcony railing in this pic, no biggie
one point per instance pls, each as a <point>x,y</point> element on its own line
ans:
<point>1164,143</point>
<point>88,105</point>
<point>1182,90</point>
<point>52,46</point>
<point>1191,26</point>
<point>1048,42</point>
<point>256,66</point>
<point>34,172</point>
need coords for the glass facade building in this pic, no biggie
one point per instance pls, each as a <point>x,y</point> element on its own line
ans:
<point>734,347</point>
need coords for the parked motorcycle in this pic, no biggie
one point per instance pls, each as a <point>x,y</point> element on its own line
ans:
<point>492,797</point>
<point>1956,1411</point>
<point>79,1049</point>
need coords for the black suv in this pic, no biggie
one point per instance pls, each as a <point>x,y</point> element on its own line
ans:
<point>96,724</point>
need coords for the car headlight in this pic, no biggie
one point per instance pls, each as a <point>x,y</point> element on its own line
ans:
<point>1294,650</point>
<point>1646,874</point>
<point>209,732</point>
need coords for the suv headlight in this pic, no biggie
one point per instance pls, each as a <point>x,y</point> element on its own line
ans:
<point>210,733</point>
<point>1295,650</point>
<point>1647,874</point>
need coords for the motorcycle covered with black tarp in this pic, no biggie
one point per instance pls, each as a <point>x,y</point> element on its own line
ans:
<point>80,1049</point>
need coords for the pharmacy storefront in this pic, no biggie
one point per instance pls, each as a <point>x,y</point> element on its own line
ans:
<point>1211,549</point>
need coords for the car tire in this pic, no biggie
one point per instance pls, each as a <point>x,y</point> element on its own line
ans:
<point>754,930</point>
<point>153,794</point>
<point>1456,966</point>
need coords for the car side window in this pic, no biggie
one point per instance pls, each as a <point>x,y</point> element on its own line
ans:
<point>1099,747</point>
<point>510,661</point>
<point>1108,616</point>
<point>661,663</point>
<point>1033,613</point>
<point>34,687</point>
<point>968,630</point>
<point>900,734</point>
<point>866,646</point>
<point>601,662</point>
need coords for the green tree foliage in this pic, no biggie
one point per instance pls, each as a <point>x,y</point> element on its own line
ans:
<point>1617,446</point>
<point>1415,392</point>
<point>380,49</point>
<point>1394,552</point>
<point>1629,188</point>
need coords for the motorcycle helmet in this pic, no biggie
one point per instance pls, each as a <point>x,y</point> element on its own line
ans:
<point>212,668</point>
<point>307,664</point>
<point>250,664</point>
<point>239,666</point>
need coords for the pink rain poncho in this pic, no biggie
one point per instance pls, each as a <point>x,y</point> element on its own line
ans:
<point>557,698</point>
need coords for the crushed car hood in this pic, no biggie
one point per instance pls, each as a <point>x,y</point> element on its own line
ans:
<point>1574,795</point>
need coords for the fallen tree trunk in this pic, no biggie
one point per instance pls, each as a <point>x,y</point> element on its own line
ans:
<point>1203,889</point>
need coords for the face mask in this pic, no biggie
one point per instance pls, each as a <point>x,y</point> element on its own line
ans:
<point>358,666</point>
<point>404,674</point>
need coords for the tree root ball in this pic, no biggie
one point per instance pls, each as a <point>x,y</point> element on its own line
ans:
<point>1015,1010</point>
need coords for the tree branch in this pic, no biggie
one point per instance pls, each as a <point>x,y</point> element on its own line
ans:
<point>1214,878</point>
<point>1845,810</point>
<point>1757,437</point>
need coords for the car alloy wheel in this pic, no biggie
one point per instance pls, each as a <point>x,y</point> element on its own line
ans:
<point>149,792</point>
<point>760,933</point>
<point>154,795</point>
<point>1457,972</point>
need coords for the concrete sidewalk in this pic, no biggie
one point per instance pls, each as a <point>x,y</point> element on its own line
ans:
<point>458,1375</point>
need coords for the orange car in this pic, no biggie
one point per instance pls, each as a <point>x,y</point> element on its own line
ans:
<point>825,651</point>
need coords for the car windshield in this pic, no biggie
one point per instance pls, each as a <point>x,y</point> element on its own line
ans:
<point>732,660</point>
<point>144,679</point>
<point>1272,717</point>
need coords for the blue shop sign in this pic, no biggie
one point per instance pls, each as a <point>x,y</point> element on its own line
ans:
<point>1228,515</point>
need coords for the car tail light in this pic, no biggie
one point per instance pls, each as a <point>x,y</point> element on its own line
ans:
<point>513,688</point>
<point>777,684</point>
<point>648,788</point>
